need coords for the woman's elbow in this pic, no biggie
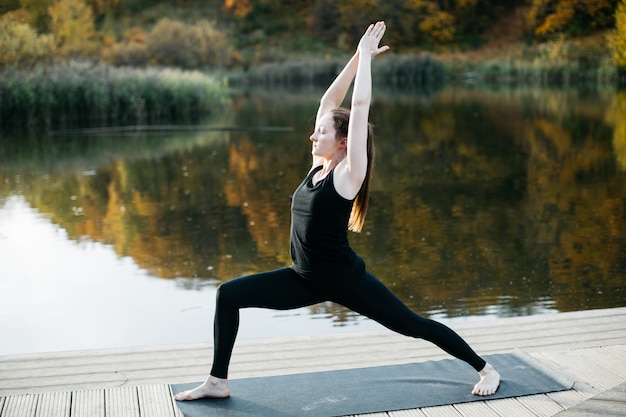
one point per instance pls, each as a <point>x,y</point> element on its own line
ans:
<point>361,103</point>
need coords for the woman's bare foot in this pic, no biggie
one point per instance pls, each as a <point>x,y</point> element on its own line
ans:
<point>212,388</point>
<point>489,381</point>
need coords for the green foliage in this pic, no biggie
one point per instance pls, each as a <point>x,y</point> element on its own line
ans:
<point>617,40</point>
<point>21,46</point>
<point>95,92</point>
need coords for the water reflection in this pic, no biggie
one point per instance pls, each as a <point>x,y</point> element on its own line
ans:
<point>483,203</point>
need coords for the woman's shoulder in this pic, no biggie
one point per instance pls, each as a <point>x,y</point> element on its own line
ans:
<point>343,183</point>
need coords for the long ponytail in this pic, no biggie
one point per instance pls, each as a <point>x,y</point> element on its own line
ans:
<point>341,117</point>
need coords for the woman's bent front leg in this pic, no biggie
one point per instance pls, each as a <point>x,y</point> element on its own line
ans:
<point>281,289</point>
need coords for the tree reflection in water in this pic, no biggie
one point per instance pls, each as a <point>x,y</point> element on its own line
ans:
<point>505,203</point>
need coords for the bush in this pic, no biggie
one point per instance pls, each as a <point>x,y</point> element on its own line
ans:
<point>21,46</point>
<point>172,43</point>
<point>133,54</point>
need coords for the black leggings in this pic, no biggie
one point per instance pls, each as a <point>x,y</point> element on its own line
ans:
<point>284,289</point>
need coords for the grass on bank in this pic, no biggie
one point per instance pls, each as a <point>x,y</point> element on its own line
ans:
<point>79,91</point>
<point>402,71</point>
<point>87,92</point>
<point>570,74</point>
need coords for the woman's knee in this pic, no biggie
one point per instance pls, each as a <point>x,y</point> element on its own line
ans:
<point>226,293</point>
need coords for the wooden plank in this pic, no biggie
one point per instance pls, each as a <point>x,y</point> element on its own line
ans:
<point>20,406</point>
<point>607,360</point>
<point>88,403</point>
<point>177,412</point>
<point>477,408</point>
<point>186,364</point>
<point>121,402</point>
<point>600,408</point>
<point>156,365</point>
<point>586,413</point>
<point>617,350</point>
<point>510,407</point>
<point>155,401</point>
<point>54,404</point>
<point>541,405</point>
<point>616,394</point>
<point>568,399</point>
<point>271,348</point>
<point>610,403</point>
<point>407,413</point>
<point>593,373</point>
<point>441,411</point>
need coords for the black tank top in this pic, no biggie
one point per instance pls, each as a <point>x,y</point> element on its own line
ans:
<point>319,231</point>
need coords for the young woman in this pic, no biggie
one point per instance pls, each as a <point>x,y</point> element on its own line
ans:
<point>331,200</point>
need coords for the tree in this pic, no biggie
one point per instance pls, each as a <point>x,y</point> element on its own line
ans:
<point>38,10</point>
<point>8,5</point>
<point>325,20</point>
<point>617,41</point>
<point>549,16</point>
<point>239,8</point>
<point>102,7</point>
<point>21,46</point>
<point>437,25</point>
<point>73,27</point>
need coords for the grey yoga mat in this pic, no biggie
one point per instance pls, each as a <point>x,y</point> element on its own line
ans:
<point>371,390</point>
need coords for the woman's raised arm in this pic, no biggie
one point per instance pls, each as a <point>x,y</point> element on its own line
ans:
<point>353,172</point>
<point>336,92</point>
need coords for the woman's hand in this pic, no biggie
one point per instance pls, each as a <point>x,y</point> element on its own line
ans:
<point>371,38</point>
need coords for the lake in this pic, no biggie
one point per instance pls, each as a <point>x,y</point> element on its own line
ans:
<point>485,204</point>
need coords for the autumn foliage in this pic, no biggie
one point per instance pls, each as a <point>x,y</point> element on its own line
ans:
<point>71,23</point>
<point>617,41</point>
<point>550,16</point>
<point>172,43</point>
<point>20,45</point>
<point>219,32</point>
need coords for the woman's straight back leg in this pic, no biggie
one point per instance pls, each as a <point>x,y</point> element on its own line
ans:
<point>370,297</point>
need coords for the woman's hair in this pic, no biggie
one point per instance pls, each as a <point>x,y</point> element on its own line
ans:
<point>341,117</point>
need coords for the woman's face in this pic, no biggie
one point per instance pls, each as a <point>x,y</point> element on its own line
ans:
<point>325,143</point>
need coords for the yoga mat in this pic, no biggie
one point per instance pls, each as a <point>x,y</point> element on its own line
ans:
<point>371,390</point>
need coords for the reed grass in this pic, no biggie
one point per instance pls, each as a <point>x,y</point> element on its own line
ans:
<point>409,71</point>
<point>297,73</point>
<point>94,92</point>
<point>541,74</point>
<point>403,71</point>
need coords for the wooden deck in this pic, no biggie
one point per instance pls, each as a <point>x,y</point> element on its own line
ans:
<point>589,347</point>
